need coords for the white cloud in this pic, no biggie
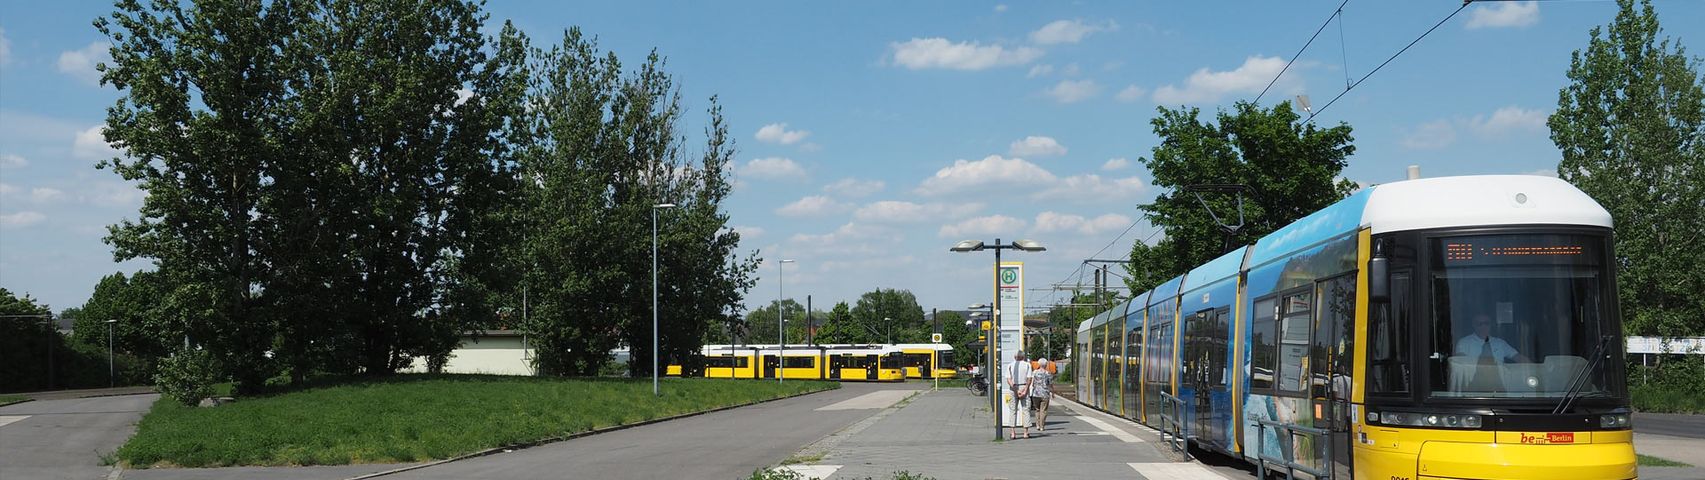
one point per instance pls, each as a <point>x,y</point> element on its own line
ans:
<point>462,95</point>
<point>1036,146</point>
<point>991,170</point>
<point>773,168</point>
<point>5,48</point>
<point>1115,164</point>
<point>748,232</point>
<point>1091,187</point>
<point>1131,93</point>
<point>45,194</point>
<point>1000,8</point>
<point>814,205</point>
<point>91,144</point>
<point>1039,70</point>
<point>113,194</point>
<point>81,63</point>
<point>1206,86</point>
<point>1068,31</point>
<point>778,133</point>
<point>1071,70</point>
<point>6,189</point>
<point>1504,14</point>
<point>10,161</point>
<point>937,52</point>
<point>21,219</point>
<point>1429,136</point>
<point>1059,222</point>
<point>1073,91</point>
<point>1509,119</point>
<point>853,238</point>
<point>990,225</point>
<point>854,188</point>
<point>1543,172</point>
<point>894,211</point>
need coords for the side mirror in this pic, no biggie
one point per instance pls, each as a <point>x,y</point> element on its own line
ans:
<point>1379,279</point>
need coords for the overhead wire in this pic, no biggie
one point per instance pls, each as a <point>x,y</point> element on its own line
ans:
<point>1387,61</point>
<point>1300,50</point>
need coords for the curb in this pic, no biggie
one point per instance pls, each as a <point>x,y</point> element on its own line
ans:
<point>525,445</point>
<point>26,400</point>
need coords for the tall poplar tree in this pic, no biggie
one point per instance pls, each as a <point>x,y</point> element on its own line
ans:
<point>1631,128</point>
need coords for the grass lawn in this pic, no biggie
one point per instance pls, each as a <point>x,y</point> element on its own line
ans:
<point>11,399</point>
<point>1650,461</point>
<point>418,417</point>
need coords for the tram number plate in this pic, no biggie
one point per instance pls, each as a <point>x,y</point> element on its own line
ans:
<point>1551,437</point>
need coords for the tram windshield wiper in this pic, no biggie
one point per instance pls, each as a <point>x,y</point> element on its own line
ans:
<point>1582,378</point>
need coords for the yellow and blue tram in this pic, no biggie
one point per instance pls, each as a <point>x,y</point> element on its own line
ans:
<point>870,363</point>
<point>1458,327</point>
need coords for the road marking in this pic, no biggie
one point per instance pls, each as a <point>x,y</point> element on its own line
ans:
<point>1185,471</point>
<point>1109,428</point>
<point>815,472</point>
<point>6,419</point>
<point>872,400</point>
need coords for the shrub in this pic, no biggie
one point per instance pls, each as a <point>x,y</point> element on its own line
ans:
<point>187,376</point>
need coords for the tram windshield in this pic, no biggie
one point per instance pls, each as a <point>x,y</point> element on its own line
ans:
<point>1519,316</point>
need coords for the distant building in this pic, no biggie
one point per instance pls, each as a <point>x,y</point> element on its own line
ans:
<point>494,352</point>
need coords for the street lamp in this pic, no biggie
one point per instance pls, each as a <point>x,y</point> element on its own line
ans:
<point>888,326</point>
<point>110,381</point>
<point>654,209</point>
<point>995,312</point>
<point>781,331</point>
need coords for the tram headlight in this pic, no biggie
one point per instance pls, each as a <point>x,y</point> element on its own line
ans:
<point>1433,420</point>
<point>1614,420</point>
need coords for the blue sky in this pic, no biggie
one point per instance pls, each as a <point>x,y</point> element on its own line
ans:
<point>873,135</point>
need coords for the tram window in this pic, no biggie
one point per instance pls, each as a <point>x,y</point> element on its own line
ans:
<point>1388,341</point>
<point>725,362</point>
<point>1217,338</point>
<point>1293,342</point>
<point>1335,309</point>
<point>799,362</point>
<point>1265,350</point>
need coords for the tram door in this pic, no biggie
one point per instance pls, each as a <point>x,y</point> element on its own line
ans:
<point>770,364</point>
<point>1205,349</point>
<point>1334,347</point>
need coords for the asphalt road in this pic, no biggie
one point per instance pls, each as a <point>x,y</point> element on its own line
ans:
<point>723,445</point>
<point>64,439</point>
<point>1690,426</point>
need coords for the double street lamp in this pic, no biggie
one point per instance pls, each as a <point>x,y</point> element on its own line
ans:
<point>781,331</point>
<point>995,312</point>
<point>654,209</point>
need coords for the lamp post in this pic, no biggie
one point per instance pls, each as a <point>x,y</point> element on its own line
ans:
<point>781,330</point>
<point>995,312</point>
<point>110,382</point>
<point>654,208</point>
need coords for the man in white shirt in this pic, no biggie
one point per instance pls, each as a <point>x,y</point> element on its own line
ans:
<point>1018,382</point>
<point>1484,347</point>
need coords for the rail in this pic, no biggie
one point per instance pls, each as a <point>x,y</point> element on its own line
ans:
<point>1289,433</point>
<point>1176,433</point>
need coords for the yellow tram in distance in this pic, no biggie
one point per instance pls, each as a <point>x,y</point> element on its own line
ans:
<point>860,363</point>
<point>929,360</point>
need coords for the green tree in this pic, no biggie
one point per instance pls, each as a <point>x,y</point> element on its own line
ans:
<point>136,303</point>
<point>1290,166</point>
<point>760,323</point>
<point>888,315</point>
<point>1631,127</point>
<point>598,149</point>
<point>839,326</point>
<point>26,337</point>
<point>314,172</point>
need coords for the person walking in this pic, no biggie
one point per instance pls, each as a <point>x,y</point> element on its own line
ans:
<point>1041,390</point>
<point>1018,381</point>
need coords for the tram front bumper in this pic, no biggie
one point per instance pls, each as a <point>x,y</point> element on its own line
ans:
<point>1500,461</point>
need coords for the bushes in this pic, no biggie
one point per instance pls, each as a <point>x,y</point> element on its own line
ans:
<point>187,376</point>
<point>1670,386</point>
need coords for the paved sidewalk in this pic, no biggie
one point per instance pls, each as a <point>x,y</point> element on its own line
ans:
<point>65,439</point>
<point>1680,449</point>
<point>948,435</point>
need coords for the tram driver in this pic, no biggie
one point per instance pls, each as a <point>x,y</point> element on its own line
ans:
<point>1482,347</point>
